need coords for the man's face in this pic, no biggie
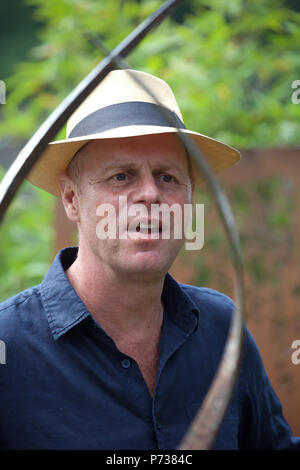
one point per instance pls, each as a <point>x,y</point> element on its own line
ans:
<point>146,170</point>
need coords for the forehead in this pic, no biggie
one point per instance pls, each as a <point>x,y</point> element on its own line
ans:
<point>162,150</point>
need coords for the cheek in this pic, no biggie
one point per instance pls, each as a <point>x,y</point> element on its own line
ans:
<point>185,195</point>
<point>99,214</point>
<point>87,212</point>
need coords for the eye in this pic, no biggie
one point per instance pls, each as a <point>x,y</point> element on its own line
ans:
<point>167,178</point>
<point>120,177</point>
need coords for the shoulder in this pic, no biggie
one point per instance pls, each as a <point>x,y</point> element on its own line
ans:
<point>207,295</point>
<point>19,300</point>
<point>215,314</point>
<point>218,308</point>
<point>17,311</point>
<point>211,303</point>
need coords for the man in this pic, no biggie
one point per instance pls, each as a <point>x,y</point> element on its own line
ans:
<point>109,351</point>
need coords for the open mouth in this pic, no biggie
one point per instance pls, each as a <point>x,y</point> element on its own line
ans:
<point>148,228</point>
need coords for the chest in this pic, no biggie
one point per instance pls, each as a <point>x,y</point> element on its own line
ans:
<point>146,356</point>
<point>148,365</point>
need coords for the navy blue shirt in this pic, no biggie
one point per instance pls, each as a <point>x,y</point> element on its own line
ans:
<point>65,384</point>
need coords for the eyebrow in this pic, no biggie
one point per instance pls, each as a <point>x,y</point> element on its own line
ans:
<point>119,164</point>
<point>123,165</point>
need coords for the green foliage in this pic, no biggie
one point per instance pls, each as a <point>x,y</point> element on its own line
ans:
<point>26,240</point>
<point>17,34</point>
<point>231,64</point>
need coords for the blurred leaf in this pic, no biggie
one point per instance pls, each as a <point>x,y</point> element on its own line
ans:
<point>26,240</point>
<point>231,64</point>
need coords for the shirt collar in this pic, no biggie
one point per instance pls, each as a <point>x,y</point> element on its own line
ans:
<point>63,306</point>
<point>65,309</point>
<point>179,306</point>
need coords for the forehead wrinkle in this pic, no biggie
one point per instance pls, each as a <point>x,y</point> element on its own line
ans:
<point>120,162</point>
<point>156,166</point>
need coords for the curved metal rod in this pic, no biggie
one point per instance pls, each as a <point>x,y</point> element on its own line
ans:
<point>38,142</point>
<point>204,427</point>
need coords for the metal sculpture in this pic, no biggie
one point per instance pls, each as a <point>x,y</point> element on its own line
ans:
<point>204,428</point>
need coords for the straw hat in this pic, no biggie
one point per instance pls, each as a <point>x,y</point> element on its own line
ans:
<point>120,107</point>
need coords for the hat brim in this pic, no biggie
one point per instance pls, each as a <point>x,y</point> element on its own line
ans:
<point>57,156</point>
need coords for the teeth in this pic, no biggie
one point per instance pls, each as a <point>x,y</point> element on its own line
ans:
<point>145,227</point>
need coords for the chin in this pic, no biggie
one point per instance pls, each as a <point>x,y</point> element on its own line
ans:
<point>151,266</point>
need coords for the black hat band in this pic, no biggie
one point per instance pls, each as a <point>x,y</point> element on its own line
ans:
<point>131,113</point>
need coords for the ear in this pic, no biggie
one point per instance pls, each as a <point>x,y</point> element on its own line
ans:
<point>69,196</point>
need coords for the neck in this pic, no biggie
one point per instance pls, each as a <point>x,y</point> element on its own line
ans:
<point>125,304</point>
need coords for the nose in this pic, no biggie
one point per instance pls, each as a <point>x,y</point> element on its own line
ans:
<point>147,191</point>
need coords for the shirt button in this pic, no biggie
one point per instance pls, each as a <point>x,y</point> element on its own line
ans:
<point>125,363</point>
<point>158,426</point>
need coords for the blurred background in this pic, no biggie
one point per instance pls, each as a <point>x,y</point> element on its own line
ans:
<point>231,65</point>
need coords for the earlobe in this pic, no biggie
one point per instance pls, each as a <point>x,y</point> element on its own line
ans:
<point>69,198</point>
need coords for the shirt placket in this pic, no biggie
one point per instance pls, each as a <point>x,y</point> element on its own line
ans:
<point>172,339</point>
